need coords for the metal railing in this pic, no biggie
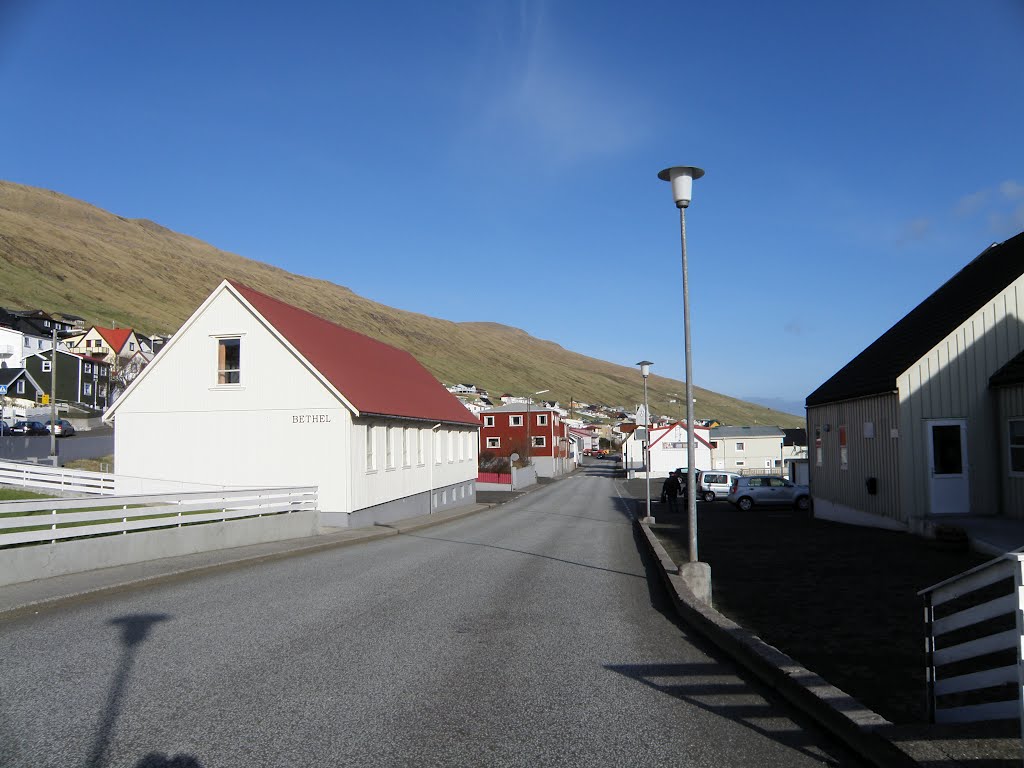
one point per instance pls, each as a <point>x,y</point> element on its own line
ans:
<point>50,520</point>
<point>973,643</point>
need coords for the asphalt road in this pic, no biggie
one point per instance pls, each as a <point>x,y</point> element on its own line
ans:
<point>527,635</point>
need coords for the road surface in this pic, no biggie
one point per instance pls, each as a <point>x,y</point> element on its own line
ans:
<point>531,634</point>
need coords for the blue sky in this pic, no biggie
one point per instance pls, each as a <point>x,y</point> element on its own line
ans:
<point>497,161</point>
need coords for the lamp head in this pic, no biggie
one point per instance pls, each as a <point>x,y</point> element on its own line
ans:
<point>645,367</point>
<point>682,177</point>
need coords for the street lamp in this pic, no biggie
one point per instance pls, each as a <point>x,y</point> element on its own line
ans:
<point>645,371</point>
<point>681,177</point>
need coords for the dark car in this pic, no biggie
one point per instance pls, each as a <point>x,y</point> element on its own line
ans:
<point>29,428</point>
<point>5,428</point>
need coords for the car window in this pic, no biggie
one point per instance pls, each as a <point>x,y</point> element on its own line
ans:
<point>777,482</point>
<point>756,482</point>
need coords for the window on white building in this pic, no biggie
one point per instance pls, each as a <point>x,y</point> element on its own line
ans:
<point>229,361</point>
<point>405,447</point>
<point>389,447</point>
<point>419,447</point>
<point>371,448</point>
<point>739,446</point>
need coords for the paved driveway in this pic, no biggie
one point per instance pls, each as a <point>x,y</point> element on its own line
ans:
<point>528,635</point>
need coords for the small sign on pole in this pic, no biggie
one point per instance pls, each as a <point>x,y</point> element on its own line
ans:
<point>3,389</point>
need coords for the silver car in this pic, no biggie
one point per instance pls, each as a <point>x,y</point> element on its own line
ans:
<point>768,491</point>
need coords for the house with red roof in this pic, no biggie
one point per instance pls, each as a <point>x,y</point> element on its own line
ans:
<point>667,449</point>
<point>107,343</point>
<point>252,391</point>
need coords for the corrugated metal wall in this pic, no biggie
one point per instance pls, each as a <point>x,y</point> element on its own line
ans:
<point>872,452</point>
<point>1010,405</point>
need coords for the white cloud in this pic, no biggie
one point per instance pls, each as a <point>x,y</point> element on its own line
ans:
<point>542,91</point>
<point>1011,190</point>
<point>969,205</point>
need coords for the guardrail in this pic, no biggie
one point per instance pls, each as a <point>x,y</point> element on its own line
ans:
<point>974,634</point>
<point>50,520</point>
<point>56,479</point>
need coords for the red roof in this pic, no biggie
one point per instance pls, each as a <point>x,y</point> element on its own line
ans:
<point>116,338</point>
<point>375,377</point>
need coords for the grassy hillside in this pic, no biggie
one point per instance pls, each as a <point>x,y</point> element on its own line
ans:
<point>63,255</point>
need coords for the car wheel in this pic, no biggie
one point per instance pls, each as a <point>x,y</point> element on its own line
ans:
<point>709,496</point>
<point>745,503</point>
<point>803,503</point>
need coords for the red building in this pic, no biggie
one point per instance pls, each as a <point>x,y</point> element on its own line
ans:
<point>534,431</point>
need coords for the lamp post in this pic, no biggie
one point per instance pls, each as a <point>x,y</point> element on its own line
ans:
<point>645,371</point>
<point>681,177</point>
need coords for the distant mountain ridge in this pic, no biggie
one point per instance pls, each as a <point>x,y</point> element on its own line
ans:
<point>64,255</point>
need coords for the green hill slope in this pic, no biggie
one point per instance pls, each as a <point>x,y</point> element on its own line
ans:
<point>63,255</point>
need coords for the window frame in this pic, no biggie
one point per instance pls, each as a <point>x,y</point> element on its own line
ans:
<point>515,420</point>
<point>370,448</point>
<point>493,442</point>
<point>223,372</point>
<point>1012,447</point>
<point>542,419</point>
<point>488,421</point>
<point>539,441</point>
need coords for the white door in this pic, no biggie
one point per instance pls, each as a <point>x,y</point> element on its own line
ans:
<point>947,466</point>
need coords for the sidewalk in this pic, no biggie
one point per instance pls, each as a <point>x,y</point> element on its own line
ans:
<point>796,598</point>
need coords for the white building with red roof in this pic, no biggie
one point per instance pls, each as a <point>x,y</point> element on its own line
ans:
<point>255,392</point>
<point>108,343</point>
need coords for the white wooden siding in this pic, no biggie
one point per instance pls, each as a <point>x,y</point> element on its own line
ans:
<point>951,381</point>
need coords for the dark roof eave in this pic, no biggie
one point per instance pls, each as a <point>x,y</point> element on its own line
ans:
<point>850,398</point>
<point>470,423</point>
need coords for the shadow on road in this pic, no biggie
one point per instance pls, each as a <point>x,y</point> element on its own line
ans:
<point>689,683</point>
<point>135,629</point>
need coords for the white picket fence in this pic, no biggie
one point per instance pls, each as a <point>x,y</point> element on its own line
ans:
<point>76,518</point>
<point>981,688</point>
<point>45,478</point>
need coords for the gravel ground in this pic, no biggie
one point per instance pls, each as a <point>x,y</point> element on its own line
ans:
<point>840,599</point>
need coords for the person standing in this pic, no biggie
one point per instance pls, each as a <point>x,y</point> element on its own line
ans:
<point>670,491</point>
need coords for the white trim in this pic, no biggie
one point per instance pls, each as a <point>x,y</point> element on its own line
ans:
<point>497,442</point>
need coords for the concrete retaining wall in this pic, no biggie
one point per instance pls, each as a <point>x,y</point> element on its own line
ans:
<point>41,561</point>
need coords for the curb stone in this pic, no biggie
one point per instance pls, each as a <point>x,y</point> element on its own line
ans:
<point>832,709</point>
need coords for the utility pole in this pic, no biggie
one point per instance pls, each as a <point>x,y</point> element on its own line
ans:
<point>53,396</point>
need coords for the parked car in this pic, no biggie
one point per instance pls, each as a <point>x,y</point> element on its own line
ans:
<point>5,428</point>
<point>63,428</point>
<point>768,491</point>
<point>29,428</point>
<point>713,484</point>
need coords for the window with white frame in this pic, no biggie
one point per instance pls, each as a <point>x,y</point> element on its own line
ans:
<point>229,361</point>
<point>87,388</point>
<point>438,447</point>
<point>46,366</point>
<point>101,390</point>
<point>515,421</point>
<point>19,387</point>
<point>87,367</point>
<point>493,442</point>
<point>419,447</point>
<point>451,446</point>
<point>28,342</point>
<point>405,447</point>
<point>389,447</point>
<point>539,441</point>
<point>739,447</point>
<point>542,419</point>
<point>371,448</point>
<point>1016,443</point>
<point>488,421</point>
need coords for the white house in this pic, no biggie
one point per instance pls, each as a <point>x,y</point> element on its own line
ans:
<point>255,392</point>
<point>668,449</point>
<point>748,449</point>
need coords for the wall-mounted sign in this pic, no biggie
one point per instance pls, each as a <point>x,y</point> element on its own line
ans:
<point>312,418</point>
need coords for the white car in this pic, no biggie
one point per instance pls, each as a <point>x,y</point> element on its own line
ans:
<point>63,428</point>
<point>768,491</point>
